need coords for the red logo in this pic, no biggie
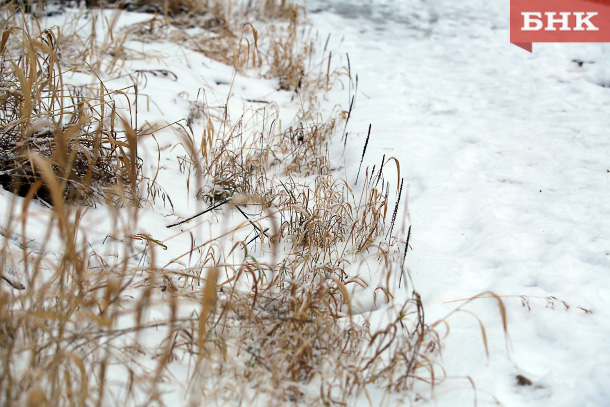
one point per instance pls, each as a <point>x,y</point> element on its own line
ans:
<point>559,21</point>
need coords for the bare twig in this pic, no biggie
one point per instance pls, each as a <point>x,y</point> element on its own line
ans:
<point>15,284</point>
<point>252,223</point>
<point>200,213</point>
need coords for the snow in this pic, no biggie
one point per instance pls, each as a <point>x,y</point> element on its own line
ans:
<point>506,159</point>
<point>506,155</point>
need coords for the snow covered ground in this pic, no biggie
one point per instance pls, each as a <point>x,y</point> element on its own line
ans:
<point>507,161</point>
<point>507,158</point>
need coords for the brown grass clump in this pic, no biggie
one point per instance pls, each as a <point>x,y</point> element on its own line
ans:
<point>292,309</point>
<point>89,146</point>
<point>232,39</point>
<point>287,56</point>
<point>261,309</point>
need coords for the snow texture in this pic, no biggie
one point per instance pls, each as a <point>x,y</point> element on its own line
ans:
<point>507,159</point>
<point>506,156</point>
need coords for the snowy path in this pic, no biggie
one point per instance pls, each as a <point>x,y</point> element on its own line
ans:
<point>507,157</point>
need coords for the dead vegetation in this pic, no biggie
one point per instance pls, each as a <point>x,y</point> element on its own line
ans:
<point>90,148</point>
<point>259,312</point>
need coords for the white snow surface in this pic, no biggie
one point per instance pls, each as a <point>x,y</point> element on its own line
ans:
<point>506,156</point>
<point>507,159</point>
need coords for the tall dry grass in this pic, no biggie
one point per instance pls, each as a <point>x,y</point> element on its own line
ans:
<point>89,146</point>
<point>267,317</point>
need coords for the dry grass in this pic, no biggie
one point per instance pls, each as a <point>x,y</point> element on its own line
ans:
<point>85,140</point>
<point>264,305</point>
